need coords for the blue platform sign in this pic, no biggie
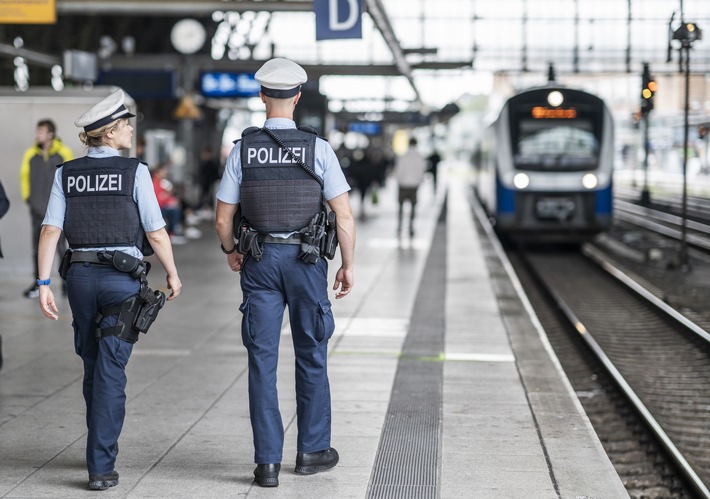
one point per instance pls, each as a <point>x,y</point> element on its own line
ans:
<point>224,84</point>
<point>336,19</point>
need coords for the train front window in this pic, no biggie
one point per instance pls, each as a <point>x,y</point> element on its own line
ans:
<point>555,145</point>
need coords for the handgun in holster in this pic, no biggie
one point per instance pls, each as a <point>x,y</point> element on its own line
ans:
<point>311,237</point>
<point>153,301</point>
<point>329,243</point>
<point>250,242</point>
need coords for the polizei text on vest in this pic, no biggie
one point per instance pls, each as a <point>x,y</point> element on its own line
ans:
<point>95,183</point>
<point>268,155</point>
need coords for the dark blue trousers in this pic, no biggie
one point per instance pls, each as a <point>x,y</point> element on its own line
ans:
<point>90,288</point>
<point>277,280</point>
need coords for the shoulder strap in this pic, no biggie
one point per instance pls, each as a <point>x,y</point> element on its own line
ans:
<point>291,154</point>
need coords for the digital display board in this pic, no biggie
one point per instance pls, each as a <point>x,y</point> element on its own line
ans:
<point>365,127</point>
<point>541,112</point>
<point>223,84</point>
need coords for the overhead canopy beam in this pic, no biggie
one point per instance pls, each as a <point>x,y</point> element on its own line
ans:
<point>382,22</point>
<point>206,63</point>
<point>176,8</point>
<point>32,56</point>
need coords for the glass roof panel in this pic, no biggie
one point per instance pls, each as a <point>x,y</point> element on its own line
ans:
<point>578,36</point>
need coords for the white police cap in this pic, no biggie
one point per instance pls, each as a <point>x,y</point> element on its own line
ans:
<point>281,78</point>
<point>107,111</point>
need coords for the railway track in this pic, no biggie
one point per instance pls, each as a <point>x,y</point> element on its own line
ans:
<point>697,234</point>
<point>658,361</point>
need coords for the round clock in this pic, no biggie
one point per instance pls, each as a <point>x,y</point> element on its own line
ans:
<point>187,36</point>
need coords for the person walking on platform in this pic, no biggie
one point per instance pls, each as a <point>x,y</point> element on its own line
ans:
<point>409,170</point>
<point>278,177</point>
<point>39,164</point>
<point>106,206</point>
<point>4,207</point>
<point>434,159</point>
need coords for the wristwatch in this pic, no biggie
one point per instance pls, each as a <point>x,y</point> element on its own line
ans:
<point>43,282</point>
<point>228,252</point>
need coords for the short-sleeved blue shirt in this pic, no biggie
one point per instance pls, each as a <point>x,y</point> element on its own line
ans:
<point>143,195</point>
<point>326,167</point>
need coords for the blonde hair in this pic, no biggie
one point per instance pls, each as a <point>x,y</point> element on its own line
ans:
<point>95,138</point>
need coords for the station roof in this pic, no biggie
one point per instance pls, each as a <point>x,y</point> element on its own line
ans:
<point>413,53</point>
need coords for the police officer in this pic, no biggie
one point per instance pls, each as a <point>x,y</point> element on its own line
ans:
<point>277,198</point>
<point>106,206</point>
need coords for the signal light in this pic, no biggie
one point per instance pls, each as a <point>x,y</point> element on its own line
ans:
<point>648,88</point>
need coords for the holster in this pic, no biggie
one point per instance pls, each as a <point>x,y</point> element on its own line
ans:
<point>65,264</point>
<point>329,243</point>
<point>311,237</point>
<point>250,242</point>
<point>153,301</point>
<point>135,315</point>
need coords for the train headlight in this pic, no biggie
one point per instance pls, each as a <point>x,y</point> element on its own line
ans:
<point>555,98</point>
<point>590,181</point>
<point>521,180</point>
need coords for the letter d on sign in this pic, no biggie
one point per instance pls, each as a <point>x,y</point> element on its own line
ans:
<point>337,19</point>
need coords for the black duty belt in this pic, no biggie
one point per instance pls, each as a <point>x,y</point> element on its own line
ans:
<point>99,258</point>
<point>292,239</point>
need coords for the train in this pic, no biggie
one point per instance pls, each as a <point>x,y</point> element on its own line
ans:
<point>543,168</point>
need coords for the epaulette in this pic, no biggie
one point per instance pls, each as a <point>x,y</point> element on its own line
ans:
<point>250,130</point>
<point>306,128</point>
<point>247,131</point>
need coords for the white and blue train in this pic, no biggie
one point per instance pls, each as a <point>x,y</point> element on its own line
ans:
<point>544,166</point>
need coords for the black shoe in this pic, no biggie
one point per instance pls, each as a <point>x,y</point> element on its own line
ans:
<point>103,482</point>
<point>267,475</point>
<point>308,463</point>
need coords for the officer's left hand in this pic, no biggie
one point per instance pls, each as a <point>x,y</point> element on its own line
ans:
<point>47,303</point>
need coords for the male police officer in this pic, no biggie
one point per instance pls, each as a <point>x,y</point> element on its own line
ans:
<point>278,198</point>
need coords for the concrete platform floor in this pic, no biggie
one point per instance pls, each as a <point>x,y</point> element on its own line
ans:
<point>187,432</point>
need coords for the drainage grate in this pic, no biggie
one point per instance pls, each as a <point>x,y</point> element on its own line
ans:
<point>407,460</point>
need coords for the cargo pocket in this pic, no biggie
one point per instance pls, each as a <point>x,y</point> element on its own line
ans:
<point>326,323</point>
<point>246,327</point>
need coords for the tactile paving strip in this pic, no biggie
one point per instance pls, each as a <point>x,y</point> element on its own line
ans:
<point>407,460</point>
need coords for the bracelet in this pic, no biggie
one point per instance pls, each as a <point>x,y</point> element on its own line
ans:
<point>43,282</point>
<point>228,252</point>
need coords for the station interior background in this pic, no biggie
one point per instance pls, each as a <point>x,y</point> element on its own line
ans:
<point>435,69</point>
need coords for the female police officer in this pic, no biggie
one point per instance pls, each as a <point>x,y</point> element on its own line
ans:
<point>106,206</point>
<point>278,197</point>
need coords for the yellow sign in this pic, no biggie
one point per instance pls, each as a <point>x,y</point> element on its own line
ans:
<point>28,12</point>
<point>187,109</point>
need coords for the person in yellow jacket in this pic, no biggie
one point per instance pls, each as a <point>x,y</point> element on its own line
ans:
<point>39,165</point>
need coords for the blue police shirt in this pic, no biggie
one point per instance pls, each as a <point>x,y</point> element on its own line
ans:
<point>326,167</point>
<point>143,195</point>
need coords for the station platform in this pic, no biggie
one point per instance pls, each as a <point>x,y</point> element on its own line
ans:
<point>435,392</point>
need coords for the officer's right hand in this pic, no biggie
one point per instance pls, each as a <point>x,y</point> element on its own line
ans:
<point>47,303</point>
<point>235,260</point>
<point>344,280</point>
<point>174,285</point>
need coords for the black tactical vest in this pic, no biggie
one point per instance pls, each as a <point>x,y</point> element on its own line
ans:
<point>276,193</point>
<point>101,211</point>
